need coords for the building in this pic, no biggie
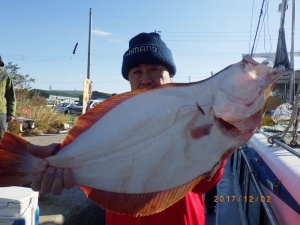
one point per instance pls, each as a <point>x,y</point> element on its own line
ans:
<point>67,95</point>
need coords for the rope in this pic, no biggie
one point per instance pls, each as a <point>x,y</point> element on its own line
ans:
<point>261,13</point>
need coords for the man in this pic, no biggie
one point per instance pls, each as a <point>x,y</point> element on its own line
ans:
<point>7,99</point>
<point>148,63</point>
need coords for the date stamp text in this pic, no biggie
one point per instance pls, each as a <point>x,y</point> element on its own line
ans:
<point>246,198</point>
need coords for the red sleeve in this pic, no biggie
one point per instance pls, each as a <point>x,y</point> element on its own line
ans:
<point>208,183</point>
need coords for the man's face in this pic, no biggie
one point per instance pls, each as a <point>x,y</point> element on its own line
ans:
<point>148,76</point>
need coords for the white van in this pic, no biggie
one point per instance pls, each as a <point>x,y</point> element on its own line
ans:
<point>93,102</point>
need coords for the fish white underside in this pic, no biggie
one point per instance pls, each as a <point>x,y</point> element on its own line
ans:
<point>130,150</point>
<point>135,152</point>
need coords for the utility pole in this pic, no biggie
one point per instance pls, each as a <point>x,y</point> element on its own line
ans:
<point>89,46</point>
<point>88,87</point>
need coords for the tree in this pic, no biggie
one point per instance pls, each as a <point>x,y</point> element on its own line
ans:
<point>19,80</point>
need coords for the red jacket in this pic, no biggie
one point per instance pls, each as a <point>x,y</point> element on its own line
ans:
<point>187,211</point>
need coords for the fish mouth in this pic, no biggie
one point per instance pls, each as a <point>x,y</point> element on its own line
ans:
<point>227,128</point>
<point>230,130</point>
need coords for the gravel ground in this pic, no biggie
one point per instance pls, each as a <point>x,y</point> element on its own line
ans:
<point>72,207</point>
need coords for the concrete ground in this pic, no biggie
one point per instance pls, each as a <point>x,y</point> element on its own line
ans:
<point>227,211</point>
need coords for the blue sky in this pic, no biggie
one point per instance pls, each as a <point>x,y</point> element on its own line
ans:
<point>204,36</point>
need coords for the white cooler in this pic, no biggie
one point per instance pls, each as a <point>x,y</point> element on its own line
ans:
<point>18,206</point>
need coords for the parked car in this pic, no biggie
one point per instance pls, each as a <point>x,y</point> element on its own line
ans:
<point>93,103</point>
<point>51,102</point>
<point>64,107</point>
<point>77,109</point>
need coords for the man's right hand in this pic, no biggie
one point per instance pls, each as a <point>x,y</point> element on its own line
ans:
<point>53,180</point>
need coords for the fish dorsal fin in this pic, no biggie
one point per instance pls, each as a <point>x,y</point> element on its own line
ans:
<point>87,120</point>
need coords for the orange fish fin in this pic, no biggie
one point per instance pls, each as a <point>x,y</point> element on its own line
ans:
<point>139,204</point>
<point>15,161</point>
<point>87,120</point>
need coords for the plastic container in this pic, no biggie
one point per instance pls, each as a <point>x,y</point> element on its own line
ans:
<point>18,206</point>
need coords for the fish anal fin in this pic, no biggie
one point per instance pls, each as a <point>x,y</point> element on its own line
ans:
<point>139,204</point>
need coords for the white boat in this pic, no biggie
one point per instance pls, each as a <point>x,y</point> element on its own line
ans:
<point>267,168</point>
<point>278,173</point>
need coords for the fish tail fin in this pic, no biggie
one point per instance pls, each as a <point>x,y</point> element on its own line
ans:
<point>16,163</point>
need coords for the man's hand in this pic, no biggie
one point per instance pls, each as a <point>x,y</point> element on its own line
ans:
<point>54,180</point>
<point>10,118</point>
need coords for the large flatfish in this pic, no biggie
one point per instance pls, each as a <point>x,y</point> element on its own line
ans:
<point>139,152</point>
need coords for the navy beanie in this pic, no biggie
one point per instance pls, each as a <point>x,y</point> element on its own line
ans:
<point>147,48</point>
